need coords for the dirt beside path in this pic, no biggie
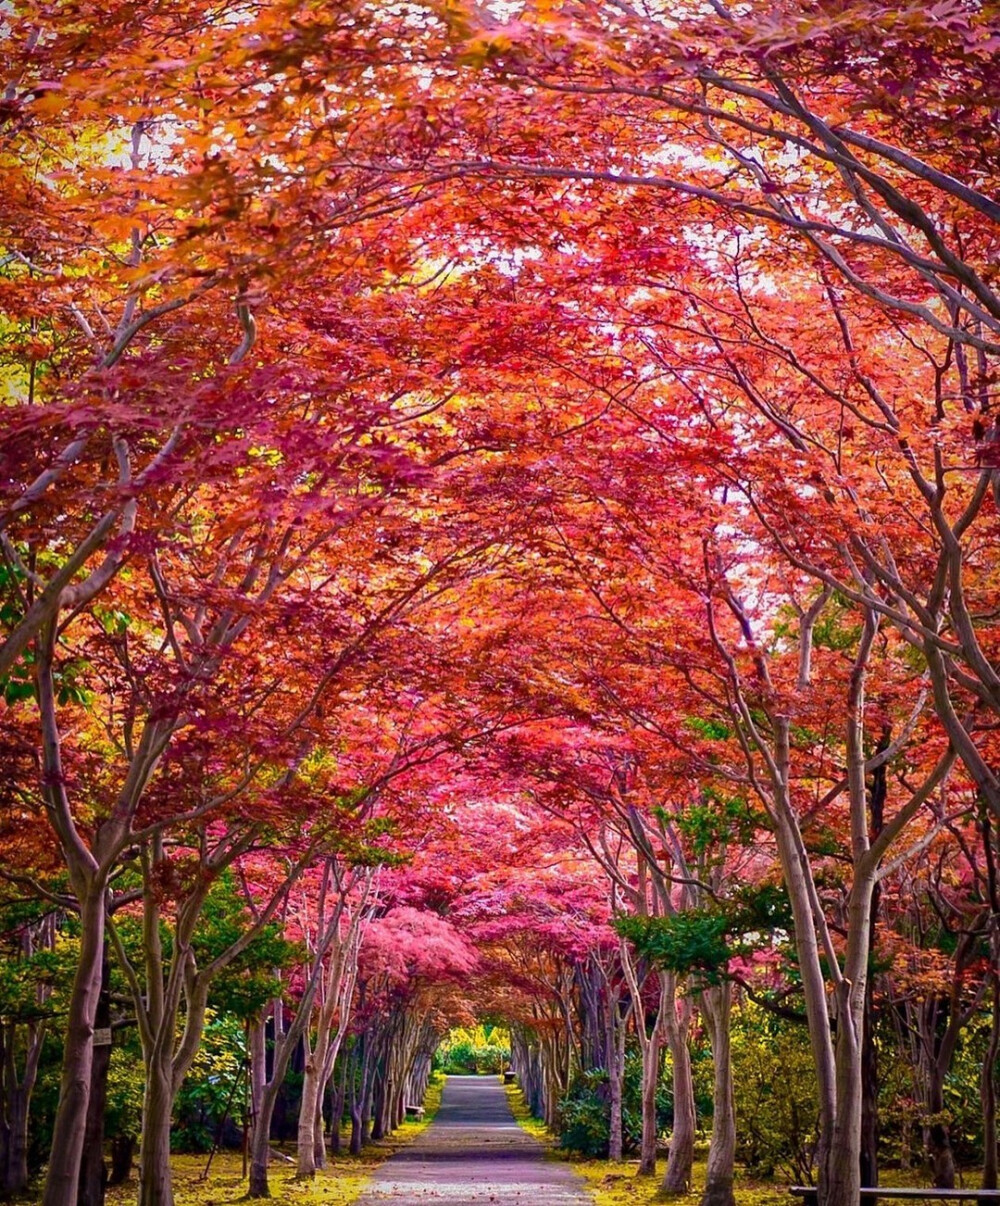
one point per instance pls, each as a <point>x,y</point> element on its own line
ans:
<point>472,1153</point>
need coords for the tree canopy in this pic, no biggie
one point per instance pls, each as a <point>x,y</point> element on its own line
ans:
<point>497,519</point>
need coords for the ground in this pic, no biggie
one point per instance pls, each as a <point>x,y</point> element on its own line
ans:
<point>619,1185</point>
<point>474,1154</point>
<point>341,1183</point>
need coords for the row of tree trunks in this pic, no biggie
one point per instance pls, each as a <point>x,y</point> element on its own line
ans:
<point>21,1041</point>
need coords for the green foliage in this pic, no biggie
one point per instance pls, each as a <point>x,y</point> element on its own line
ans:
<point>483,1049</point>
<point>213,1084</point>
<point>126,1080</point>
<point>19,683</point>
<point>715,820</point>
<point>249,981</point>
<point>759,907</point>
<point>703,941</point>
<point>714,730</point>
<point>689,940</point>
<point>777,1108</point>
<point>584,1116</point>
<point>835,628</point>
<point>246,984</point>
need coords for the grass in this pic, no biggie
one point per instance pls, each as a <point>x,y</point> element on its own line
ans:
<point>341,1183</point>
<point>620,1185</point>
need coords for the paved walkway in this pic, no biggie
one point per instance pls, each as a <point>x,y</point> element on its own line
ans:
<point>474,1152</point>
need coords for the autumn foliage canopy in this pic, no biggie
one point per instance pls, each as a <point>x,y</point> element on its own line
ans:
<point>505,495</point>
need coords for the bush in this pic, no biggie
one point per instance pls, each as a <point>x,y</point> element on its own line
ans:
<point>584,1115</point>
<point>777,1108</point>
<point>211,1090</point>
<point>465,1052</point>
<point>584,1118</point>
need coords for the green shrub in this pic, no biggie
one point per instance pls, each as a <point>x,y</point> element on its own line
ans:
<point>584,1119</point>
<point>584,1115</point>
<point>484,1049</point>
<point>777,1108</point>
<point>215,1082</point>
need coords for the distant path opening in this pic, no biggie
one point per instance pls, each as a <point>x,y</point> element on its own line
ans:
<point>474,1152</point>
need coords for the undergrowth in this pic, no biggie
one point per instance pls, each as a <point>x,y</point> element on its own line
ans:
<point>613,1184</point>
<point>341,1183</point>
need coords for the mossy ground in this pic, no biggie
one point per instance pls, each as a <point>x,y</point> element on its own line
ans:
<point>620,1185</point>
<point>341,1183</point>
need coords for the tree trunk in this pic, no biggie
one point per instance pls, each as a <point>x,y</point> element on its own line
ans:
<point>840,1174</point>
<point>15,1102</point>
<point>93,1171</point>
<point>651,1058</point>
<point>938,1136</point>
<point>260,1142</point>
<point>337,1117</point>
<point>681,1160</point>
<point>319,1144</point>
<point>309,1107</point>
<point>989,1087</point>
<point>717,1005</point>
<point>989,1075</point>
<point>378,1106</point>
<point>258,1063</point>
<point>16,1170</point>
<point>122,1158</point>
<point>616,1073</point>
<point>868,1166</point>
<point>155,1185</point>
<point>63,1176</point>
<point>357,1137</point>
<point>869,1056</point>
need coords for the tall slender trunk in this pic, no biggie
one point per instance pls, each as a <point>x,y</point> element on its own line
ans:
<point>93,1171</point>
<point>813,985</point>
<point>260,1142</point>
<point>319,1144</point>
<point>258,1063</point>
<point>357,1129</point>
<point>869,1055</point>
<point>939,1137</point>
<point>869,1097</point>
<point>717,1007</point>
<point>284,1046</point>
<point>309,1104</point>
<point>616,1075</point>
<point>155,1182</point>
<point>651,1046</point>
<point>15,1171</point>
<point>680,1162</point>
<point>989,1088</point>
<point>989,1075</point>
<point>651,1060</point>
<point>841,1175</point>
<point>378,1103</point>
<point>63,1176</point>
<point>18,1087</point>
<point>337,1113</point>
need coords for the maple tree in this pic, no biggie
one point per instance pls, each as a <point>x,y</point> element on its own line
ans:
<point>514,486</point>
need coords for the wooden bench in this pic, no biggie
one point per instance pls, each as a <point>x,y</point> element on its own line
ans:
<point>414,1111</point>
<point>810,1194</point>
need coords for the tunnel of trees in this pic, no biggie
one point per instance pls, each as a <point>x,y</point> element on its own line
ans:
<point>498,527</point>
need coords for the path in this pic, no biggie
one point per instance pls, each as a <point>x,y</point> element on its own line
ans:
<point>474,1152</point>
